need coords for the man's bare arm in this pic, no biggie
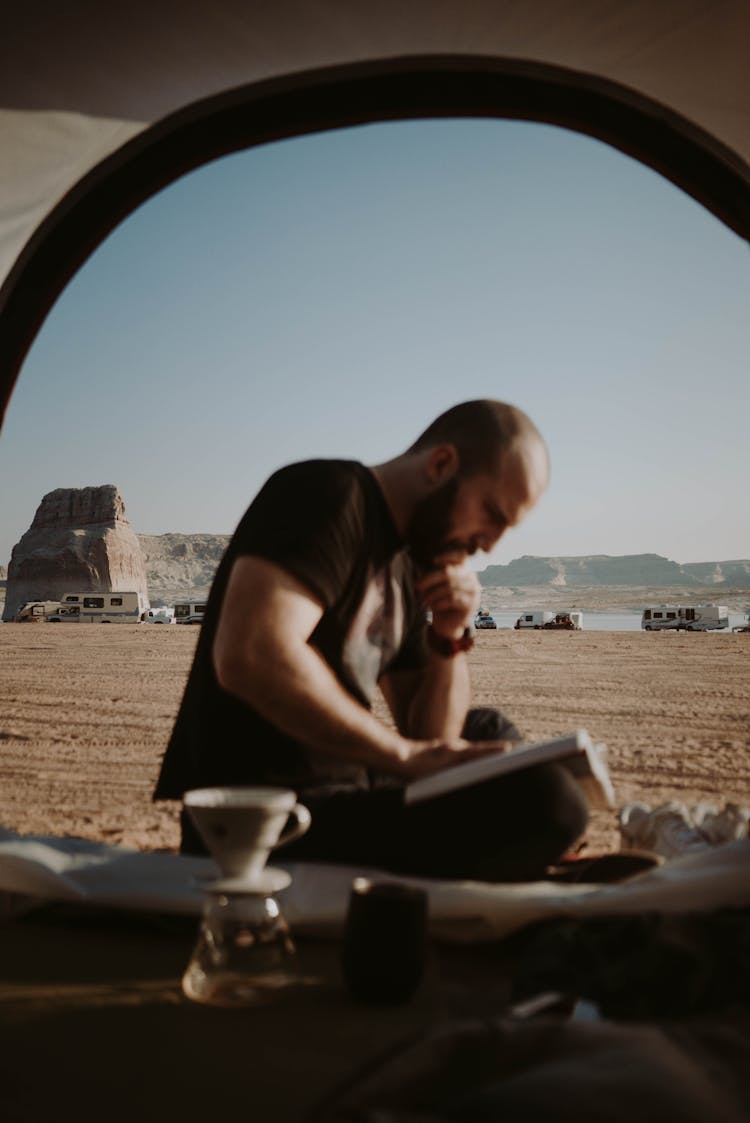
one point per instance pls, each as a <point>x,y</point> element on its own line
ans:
<point>262,656</point>
<point>433,701</point>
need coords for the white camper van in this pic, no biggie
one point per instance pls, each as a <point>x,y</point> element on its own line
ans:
<point>661,618</point>
<point>743,627</point>
<point>161,615</point>
<point>536,619</point>
<point>189,611</point>
<point>99,608</point>
<point>678,617</point>
<point>36,611</point>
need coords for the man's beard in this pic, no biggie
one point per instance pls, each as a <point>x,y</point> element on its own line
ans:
<point>427,534</point>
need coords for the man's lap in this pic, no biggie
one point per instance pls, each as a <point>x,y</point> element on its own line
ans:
<point>509,828</point>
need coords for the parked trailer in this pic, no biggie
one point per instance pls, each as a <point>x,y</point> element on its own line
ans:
<point>36,611</point>
<point>565,621</point>
<point>743,627</point>
<point>99,608</point>
<point>161,615</point>
<point>678,618</point>
<point>536,619</point>
<point>706,617</point>
<point>189,611</point>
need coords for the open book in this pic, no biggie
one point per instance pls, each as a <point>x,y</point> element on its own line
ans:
<point>575,751</point>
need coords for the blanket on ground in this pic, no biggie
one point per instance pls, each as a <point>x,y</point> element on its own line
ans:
<point>41,869</point>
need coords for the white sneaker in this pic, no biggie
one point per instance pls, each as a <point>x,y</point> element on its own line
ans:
<point>726,825</point>
<point>667,830</point>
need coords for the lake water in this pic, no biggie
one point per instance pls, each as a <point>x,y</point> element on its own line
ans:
<point>608,621</point>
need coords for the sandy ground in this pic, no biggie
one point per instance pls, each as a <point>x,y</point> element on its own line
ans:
<point>85,713</point>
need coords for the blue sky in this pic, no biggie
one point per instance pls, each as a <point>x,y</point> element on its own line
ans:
<point>329,295</point>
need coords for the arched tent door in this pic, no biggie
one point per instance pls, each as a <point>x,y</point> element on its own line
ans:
<point>424,87</point>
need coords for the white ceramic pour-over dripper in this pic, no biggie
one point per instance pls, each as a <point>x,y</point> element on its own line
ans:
<point>241,826</point>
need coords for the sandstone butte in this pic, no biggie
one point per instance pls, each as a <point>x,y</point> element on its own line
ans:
<point>79,540</point>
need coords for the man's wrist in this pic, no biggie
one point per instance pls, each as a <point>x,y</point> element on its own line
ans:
<point>449,645</point>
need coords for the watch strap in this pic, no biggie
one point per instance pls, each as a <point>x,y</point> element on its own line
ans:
<point>447,645</point>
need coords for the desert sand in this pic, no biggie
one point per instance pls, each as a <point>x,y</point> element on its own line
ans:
<point>86,713</point>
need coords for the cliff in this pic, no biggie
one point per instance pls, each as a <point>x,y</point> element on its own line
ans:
<point>79,540</point>
<point>626,569</point>
<point>181,566</point>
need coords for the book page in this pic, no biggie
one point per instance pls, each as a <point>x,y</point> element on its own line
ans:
<point>574,751</point>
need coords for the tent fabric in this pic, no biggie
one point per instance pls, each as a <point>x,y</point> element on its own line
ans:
<point>78,81</point>
<point>141,61</point>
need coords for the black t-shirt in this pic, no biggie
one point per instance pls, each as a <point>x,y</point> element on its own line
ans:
<point>327,523</point>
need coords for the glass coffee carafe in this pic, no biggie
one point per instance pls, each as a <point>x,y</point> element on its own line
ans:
<point>244,954</point>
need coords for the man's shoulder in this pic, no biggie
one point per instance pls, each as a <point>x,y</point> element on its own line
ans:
<point>319,481</point>
<point>305,495</point>
<point>320,468</point>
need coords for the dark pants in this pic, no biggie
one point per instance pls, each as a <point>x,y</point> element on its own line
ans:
<point>507,829</point>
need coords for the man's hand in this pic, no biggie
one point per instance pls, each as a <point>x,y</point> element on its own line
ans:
<point>425,757</point>
<point>452,592</point>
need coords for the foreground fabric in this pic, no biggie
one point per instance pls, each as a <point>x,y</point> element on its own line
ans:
<point>541,1070</point>
<point>39,869</point>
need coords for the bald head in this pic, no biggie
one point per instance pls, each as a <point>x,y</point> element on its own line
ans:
<point>478,469</point>
<point>483,432</point>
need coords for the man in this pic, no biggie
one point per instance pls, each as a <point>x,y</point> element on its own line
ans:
<point>321,598</point>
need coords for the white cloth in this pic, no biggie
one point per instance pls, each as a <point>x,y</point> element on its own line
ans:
<point>39,869</point>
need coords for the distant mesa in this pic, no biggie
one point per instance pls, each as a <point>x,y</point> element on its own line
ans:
<point>626,569</point>
<point>179,566</point>
<point>79,540</point>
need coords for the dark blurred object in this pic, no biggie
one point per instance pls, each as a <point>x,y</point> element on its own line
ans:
<point>498,1070</point>
<point>385,941</point>
<point>641,967</point>
<point>485,723</point>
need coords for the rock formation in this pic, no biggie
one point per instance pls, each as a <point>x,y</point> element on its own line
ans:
<point>718,573</point>
<point>79,541</point>
<point>181,566</point>
<point>625,569</point>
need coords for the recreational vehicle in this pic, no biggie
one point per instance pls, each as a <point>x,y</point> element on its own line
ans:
<point>565,621</point>
<point>484,620</point>
<point>744,627</point>
<point>36,611</point>
<point>678,617</point>
<point>161,615</point>
<point>534,619</point>
<point>189,611</point>
<point>99,608</point>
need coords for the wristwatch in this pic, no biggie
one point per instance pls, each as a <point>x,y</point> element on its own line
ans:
<point>444,645</point>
